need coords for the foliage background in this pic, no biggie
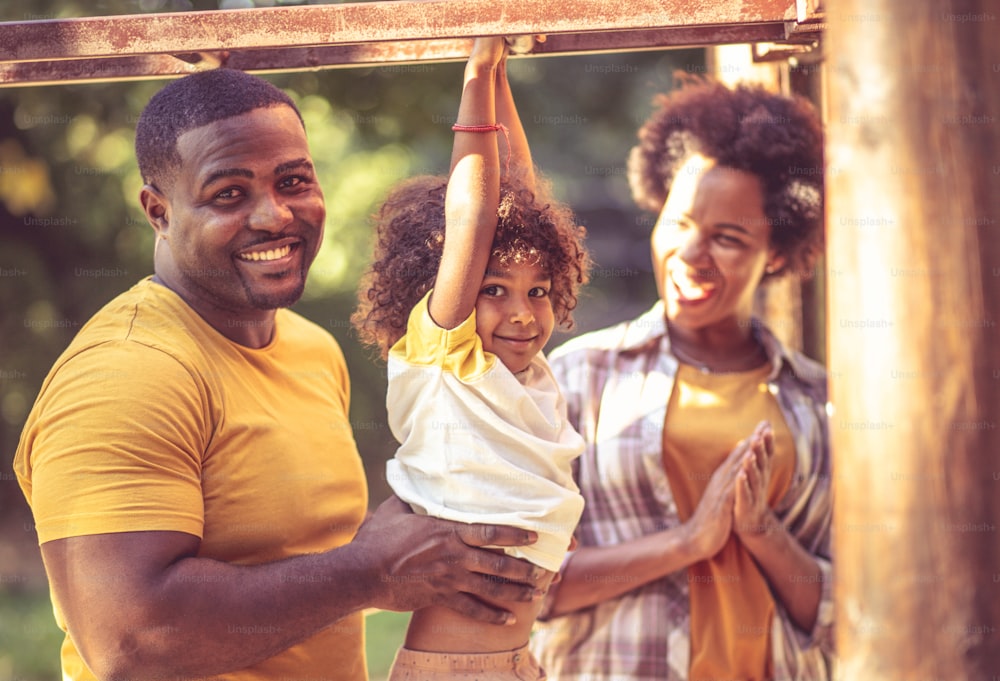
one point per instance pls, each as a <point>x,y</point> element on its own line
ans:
<point>72,235</point>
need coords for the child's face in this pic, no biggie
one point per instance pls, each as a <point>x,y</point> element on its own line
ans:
<point>514,315</point>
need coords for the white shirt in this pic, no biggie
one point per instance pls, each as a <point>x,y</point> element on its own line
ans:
<point>480,444</point>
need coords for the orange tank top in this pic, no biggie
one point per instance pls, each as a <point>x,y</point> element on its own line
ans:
<point>730,601</point>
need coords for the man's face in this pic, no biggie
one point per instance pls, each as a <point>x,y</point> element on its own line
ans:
<point>243,218</point>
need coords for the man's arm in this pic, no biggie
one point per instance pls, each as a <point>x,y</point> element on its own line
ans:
<point>141,605</point>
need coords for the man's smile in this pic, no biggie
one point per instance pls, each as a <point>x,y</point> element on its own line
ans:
<point>273,254</point>
<point>278,249</point>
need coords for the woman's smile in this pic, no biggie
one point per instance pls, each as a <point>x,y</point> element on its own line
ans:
<point>689,289</point>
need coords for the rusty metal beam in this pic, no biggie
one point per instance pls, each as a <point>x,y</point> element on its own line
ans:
<point>360,22</point>
<point>140,67</point>
<point>367,33</point>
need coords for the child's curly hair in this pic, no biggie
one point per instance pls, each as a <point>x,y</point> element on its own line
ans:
<point>410,232</point>
<point>779,139</point>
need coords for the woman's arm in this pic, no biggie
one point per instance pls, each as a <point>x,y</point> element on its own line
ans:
<point>794,575</point>
<point>596,574</point>
<point>473,192</point>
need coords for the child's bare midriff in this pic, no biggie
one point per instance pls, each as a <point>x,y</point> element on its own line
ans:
<point>439,629</point>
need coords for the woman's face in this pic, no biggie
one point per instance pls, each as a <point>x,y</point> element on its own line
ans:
<point>711,245</point>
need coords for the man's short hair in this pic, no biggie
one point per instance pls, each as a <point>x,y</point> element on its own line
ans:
<point>189,103</point>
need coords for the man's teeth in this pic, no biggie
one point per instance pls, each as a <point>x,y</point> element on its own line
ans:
<point>273,254</point>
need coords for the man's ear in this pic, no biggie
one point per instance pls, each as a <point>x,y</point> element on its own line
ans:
<point>156,206</point>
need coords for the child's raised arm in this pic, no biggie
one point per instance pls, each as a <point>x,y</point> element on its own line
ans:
<point>473,194</point>
<point>522,170</point>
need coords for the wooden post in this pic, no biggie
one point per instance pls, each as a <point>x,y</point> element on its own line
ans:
<point>914,306</point>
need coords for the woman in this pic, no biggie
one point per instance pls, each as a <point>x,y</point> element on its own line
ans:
<point>704,547</point>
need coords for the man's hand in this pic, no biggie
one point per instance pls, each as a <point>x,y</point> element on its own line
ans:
<point>420,561</point>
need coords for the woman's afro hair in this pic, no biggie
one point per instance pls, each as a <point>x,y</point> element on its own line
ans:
<point>779,139</point>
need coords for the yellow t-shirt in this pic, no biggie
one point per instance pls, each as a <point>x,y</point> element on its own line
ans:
<point>152,420</point>
<point>731,603</point>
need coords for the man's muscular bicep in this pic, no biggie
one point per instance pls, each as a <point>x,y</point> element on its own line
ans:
<point>105,585</point>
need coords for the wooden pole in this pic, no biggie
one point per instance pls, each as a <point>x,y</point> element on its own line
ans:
<point>913,169</point>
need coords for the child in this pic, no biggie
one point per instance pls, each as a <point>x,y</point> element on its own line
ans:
<point>462,303</point>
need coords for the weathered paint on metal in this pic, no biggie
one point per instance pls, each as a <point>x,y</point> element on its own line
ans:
<point>363,22</point>
<point>140,67</point>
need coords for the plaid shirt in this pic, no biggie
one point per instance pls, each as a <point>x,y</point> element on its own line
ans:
<point>617,384</point>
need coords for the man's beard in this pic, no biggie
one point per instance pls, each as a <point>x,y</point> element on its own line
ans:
<point>272,301</point>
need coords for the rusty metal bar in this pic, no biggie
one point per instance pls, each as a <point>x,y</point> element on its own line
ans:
<point>367,33</point>
<point>689,36</point>
<point>139,67</point>
<point>360,22</point>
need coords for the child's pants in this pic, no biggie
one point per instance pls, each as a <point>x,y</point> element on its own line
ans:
<point>513,665</point>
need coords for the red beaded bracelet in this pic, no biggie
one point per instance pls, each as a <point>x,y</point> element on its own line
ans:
<point>488,128</point>
<point>478,128</point>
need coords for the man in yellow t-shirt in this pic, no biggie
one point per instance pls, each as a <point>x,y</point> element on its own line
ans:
<point>189,460</point>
